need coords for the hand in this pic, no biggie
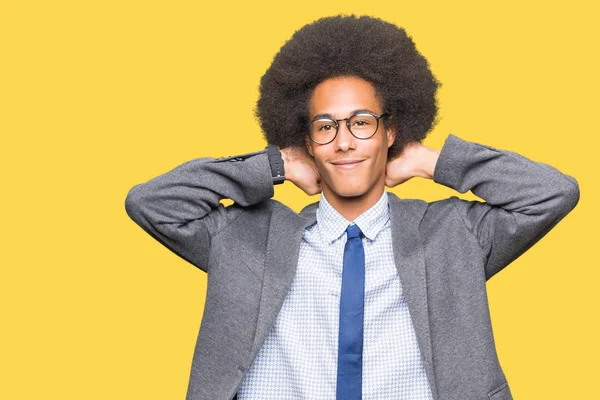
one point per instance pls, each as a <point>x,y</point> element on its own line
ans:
<point>301,170</point>
<point>414,160</point>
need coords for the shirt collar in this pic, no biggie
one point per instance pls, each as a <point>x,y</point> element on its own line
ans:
<point>332,224</point>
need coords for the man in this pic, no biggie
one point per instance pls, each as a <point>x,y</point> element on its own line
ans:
<point>361,295</point>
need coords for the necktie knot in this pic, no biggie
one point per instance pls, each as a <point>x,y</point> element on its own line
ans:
<point>353,231</point>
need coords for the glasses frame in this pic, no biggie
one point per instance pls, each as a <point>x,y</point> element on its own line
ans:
<point>337,125</point>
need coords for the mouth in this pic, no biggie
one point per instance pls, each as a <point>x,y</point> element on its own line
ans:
<point>347,163</point>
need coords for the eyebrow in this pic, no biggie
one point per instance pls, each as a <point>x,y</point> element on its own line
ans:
<point>361,110</point>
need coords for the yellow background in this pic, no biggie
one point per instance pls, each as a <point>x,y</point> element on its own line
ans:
<point>96,96</point>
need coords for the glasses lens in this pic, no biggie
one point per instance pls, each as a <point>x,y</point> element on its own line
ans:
<point>363,125</point>
<point>322,130</point>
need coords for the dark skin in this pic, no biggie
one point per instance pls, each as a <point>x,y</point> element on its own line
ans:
<point>352,173</point>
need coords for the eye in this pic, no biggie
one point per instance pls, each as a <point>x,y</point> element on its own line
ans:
<point>323,125</point>
<point>326,127</point>
<point>360,121</point>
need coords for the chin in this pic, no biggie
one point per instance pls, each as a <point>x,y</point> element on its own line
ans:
<point>348,190</point>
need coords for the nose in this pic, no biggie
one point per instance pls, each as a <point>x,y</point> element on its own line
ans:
<point>344,140</point>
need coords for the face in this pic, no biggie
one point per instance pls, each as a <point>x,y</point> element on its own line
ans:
<point>350,168</point>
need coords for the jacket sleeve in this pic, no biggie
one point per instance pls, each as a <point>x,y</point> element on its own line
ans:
<point>523,199</point>
<point>181,208</point>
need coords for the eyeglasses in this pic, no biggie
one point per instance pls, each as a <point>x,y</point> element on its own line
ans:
<point>362,125</point>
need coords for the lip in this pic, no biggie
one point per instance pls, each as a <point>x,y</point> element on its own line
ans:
<point>347,163</point>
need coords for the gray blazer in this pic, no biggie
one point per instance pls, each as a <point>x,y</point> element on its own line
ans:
<point>445,251</point>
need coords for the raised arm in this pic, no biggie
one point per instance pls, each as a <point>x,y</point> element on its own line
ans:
<point>181,208</point>
<point>523,199</point>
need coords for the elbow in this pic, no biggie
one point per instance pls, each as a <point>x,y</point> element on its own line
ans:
<point>569,195</point>
<point>572,194</point>
<point>133,203</point>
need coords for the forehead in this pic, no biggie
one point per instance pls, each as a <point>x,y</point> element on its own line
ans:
<point>340,96</point>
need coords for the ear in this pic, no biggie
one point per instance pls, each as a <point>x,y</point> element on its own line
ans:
<point>391,136</point>
<point>309,144</point>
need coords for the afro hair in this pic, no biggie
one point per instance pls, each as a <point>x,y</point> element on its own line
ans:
<point>366,47</point>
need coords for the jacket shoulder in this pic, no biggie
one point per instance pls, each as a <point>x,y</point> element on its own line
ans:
<point>256,216</point>
<point>415,210</point>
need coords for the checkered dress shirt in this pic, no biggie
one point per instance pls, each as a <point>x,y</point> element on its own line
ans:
<point>298,359</point>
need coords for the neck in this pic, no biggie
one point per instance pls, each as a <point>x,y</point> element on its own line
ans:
<point>351,207</point>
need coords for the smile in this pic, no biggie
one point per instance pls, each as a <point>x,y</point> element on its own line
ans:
<point>347,164</point>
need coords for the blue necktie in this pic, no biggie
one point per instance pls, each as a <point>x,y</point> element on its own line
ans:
<point>349,373</point>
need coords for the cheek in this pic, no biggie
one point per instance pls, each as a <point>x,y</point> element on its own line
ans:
<point>321,153</point>
<point>385,148</point>
<point>380,153</point>
<point>320,163</point>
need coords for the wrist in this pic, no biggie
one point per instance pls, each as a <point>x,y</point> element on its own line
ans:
<point>427,162</point>
<point>289,155</point>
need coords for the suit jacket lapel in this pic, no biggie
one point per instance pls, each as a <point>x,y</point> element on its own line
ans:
<point>405,216</point>
<point>283,248</point>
